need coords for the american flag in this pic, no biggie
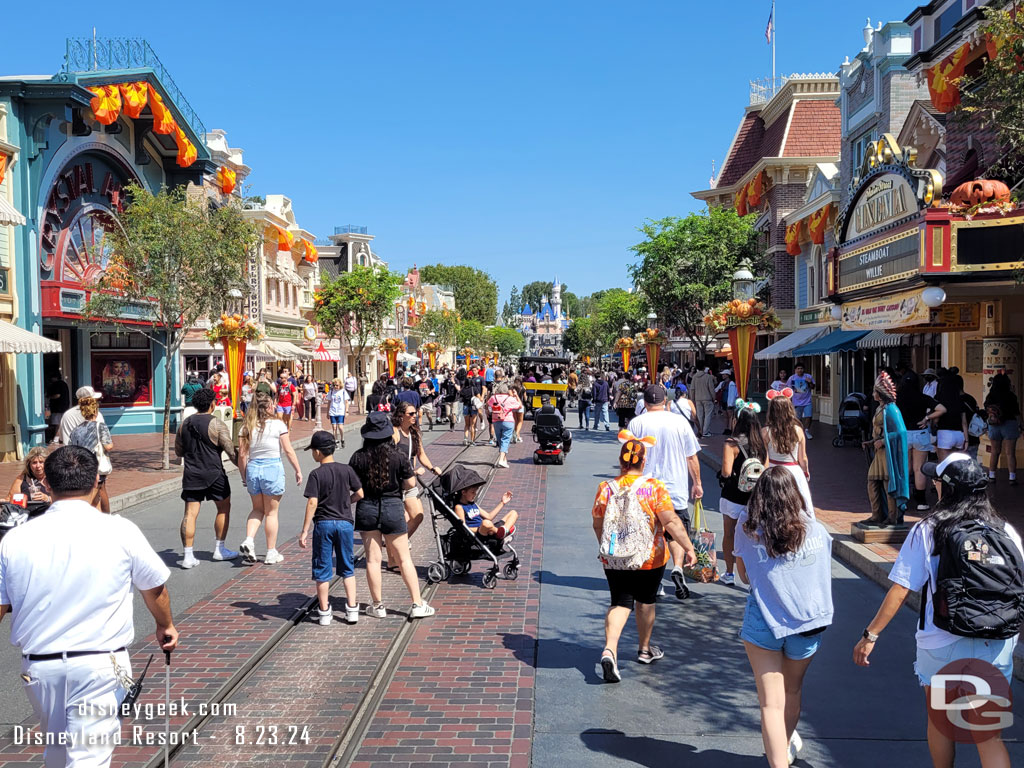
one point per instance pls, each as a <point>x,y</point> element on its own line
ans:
<point>771,26</point>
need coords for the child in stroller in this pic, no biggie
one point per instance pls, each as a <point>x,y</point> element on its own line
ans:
<point>482,521</point>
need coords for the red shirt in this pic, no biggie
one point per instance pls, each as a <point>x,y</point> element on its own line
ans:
<point>285,395</point>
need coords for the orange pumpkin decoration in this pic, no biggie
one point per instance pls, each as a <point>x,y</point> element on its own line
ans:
<point>980,191</point>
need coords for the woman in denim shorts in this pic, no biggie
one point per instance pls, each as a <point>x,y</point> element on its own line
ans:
<point>963,498</point>
<point>262,440</point>
<point>786,557</point>
<point>1003,410</point>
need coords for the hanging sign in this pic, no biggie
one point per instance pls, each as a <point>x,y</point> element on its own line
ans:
<point>886,312</point>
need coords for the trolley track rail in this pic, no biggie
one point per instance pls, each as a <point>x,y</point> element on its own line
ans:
<point>350,739</point>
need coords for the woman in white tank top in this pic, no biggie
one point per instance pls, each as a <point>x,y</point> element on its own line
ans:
<point>787,445</point>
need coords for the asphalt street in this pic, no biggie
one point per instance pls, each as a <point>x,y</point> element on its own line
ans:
<point>698,706</point>
<point>160,521</point>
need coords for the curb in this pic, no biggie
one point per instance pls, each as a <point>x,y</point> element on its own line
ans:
<point>165,487</point>
<point>869,565</point>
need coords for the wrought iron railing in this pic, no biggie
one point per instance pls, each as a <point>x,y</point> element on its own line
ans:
<point>350,229</point>
<point>96,54</point>
<point>763,90</point>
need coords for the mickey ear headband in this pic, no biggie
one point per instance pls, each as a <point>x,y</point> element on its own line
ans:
<point>633,448</point>
<point>625,436</point>
<point>751,406</point>
<point>771,394</point>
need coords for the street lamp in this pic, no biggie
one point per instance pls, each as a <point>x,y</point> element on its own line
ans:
<point>625,329</point>
<point>234,293</point>
<point>652,319</point>
<point>743,281</point>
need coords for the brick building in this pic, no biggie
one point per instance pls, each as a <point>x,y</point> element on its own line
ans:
<point>779,147</point>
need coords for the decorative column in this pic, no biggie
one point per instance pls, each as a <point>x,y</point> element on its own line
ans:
<point>233,333</point>
<point>741,319</point>
<point>391,347</point>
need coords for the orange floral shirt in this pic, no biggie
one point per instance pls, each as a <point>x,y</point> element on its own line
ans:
<point>654,497</point>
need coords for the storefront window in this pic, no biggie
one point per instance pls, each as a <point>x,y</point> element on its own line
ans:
<point>122,369</point>
<point>198,364</point>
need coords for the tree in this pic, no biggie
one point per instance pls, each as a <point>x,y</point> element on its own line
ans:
<point>571,304</point>
<point>512,307</point>
<point>476,293</point>
<point>475,333</point>
<point>171,262</point>
<point>582,337</point>
<point>993,99</point>
<point>353,306</point>
<point>533,293</point>
<point>507,341</point>
<point>617,308</point>
<point>686,265</point>
<point>443,323</point>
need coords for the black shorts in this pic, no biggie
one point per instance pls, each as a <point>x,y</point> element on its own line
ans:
<point>684,516</point>
<point>386,515</point>
<point>219,490</point>
<point>628,587</point>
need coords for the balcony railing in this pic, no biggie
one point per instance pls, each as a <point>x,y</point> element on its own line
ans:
<point>96,54</point>
<point>350,229</point>
<point>762,91</point>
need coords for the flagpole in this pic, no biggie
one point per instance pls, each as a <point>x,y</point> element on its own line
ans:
<point>775,27</point>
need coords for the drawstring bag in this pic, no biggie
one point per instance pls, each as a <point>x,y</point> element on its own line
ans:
<point>706,569</point>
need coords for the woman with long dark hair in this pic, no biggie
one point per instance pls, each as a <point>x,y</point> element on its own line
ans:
<point>409,442</point>
<point>746,442</point>
<point>380,515</point>
<point>915,406</point>
<point>963,520</point>
<point>786,558</point>
<point>787,443</point>
<point>1002,410</point>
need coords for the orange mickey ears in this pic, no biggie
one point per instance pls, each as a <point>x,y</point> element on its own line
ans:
<point>625,435</point>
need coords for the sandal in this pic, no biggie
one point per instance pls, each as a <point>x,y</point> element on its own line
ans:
<point>390,568</point>
<point>609,668</point>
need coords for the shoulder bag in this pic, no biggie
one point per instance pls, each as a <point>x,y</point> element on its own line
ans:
<point>105,467</point>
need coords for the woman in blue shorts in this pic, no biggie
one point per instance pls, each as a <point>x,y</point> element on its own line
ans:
<point>786,557</point>
<point>337,399</point>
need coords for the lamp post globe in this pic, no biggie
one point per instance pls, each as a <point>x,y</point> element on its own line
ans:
<point>743,281</point>
<point>652,319</point>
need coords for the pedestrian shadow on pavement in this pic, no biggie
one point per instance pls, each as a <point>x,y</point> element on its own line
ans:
<point>658,753</point>
<point>284,608</point>
<point>554,654</point>
<point>576,582</point>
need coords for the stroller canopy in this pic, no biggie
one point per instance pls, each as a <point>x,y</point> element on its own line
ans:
<point>458,478</point>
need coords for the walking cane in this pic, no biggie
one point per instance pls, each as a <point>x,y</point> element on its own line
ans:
<point>167,703</point>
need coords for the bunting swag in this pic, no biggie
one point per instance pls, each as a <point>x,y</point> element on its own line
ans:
<point>741,341</point>
<point>741,201</point>
<point>817,223</point>
<point>756,189</point>
<point>134,97</point>
<point>311,254</point>
<point>163,120</point>
<point>186,149</point>
<point>285,239</point>
<point>106,103</point>
<point>226,179</point>
<point>942,79</point>
<point>793,238</point>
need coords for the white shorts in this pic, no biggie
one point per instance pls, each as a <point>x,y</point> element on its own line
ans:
<point>731,508</point>
<point>950,439</point>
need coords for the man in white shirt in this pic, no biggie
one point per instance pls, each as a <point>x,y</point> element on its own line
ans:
<point>66,578</point>
<point>673,460</point>
<point>73,416</point>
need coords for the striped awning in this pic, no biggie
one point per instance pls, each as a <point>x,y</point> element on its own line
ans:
<point>882,340</point>
<point>285,350</point>
<point>18,340</point>
<point>325,355</point>
<point>9,214</point>
<point>784,346</point>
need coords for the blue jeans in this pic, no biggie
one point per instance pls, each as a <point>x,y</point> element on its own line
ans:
<point>584,413</point>
<point>503,431</point>
<point>332,537</point>
<point>600,414</point>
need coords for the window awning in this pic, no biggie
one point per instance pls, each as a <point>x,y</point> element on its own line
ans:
<point>837,341</point>
<point>18,340</point>
<point>882,340</point>
<point>325,355</point>
<point>9,214</point>
<point>783,347</point>
<point>285,350</point>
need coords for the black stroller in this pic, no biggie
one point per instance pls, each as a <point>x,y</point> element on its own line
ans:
<point>853,421</point>
<point>460,545</point>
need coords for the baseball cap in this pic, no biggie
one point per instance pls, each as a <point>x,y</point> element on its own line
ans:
<point>320,440</point>
<point>928,372</point>
<point>958,470</point>
<point>654,394</point>
<point>83,392</point>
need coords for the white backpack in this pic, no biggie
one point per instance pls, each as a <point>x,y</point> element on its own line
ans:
<point>626,535</point>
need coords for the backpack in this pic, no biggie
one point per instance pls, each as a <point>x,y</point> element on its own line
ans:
<point>750,472</point>
<point>995,414</point>
<point>466,394</point>
<point>979,586</point>
<point>626,535</point>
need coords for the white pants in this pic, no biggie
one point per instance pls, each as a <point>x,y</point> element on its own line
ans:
<point>80,697</point>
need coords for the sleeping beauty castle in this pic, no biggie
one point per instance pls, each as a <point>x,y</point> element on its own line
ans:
<point>543,329</point>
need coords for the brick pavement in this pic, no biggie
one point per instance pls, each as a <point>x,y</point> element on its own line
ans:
<point>137,460</point>
<point>463,692</point>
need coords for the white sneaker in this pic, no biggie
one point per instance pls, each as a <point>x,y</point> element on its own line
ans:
<point>325,616</point>
<point>421,611</point>
<point>376,610</point>
<point>351,613</point>
<point>224,554</point>
<point>189,562</point>
<point>503,463</point>
<point>795,745</point>
<point>728,579</point>
<point>248,551</point>
<point>661,590</point>
<point>808,435</point>
<point>273,558</point>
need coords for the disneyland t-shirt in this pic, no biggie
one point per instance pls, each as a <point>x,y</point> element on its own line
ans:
<point>801,386</point>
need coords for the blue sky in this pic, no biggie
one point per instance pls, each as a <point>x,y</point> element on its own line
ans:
<point>525,138</point>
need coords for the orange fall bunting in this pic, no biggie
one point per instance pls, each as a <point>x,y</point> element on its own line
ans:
<point>106,103</point>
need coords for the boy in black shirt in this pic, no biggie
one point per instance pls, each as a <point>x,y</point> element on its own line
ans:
<point>331,490</point>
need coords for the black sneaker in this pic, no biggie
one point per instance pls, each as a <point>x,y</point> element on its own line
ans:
<point>682,591</point>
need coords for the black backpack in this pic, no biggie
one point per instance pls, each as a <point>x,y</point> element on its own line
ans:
<point>466,393</point>
<point>979,590</point>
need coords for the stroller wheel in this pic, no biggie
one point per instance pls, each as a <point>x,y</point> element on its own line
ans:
<point>511,571</point>
<point>490,579</point>
<point>535,459</point>
<point>460,567</point>
<point>436,572</point>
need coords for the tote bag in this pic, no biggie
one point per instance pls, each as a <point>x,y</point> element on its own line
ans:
<point>706,569</point>
<point>105,467</point>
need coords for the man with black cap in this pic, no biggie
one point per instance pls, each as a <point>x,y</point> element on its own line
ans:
<point>673,460</point>
<point>331,491</point>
